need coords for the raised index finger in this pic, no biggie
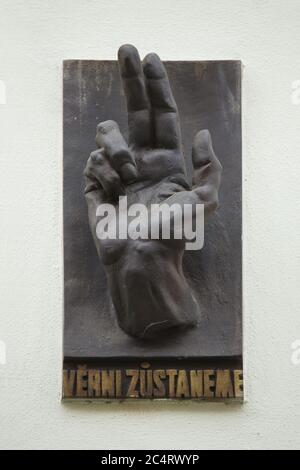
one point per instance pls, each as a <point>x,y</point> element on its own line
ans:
<point>136,95</point>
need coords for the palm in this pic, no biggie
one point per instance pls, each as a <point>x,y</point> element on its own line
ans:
<point>160,173</point>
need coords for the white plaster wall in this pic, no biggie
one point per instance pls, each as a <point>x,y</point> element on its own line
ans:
<point>36,35</point>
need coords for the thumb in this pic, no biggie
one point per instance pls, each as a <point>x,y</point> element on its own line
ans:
<point>203,154</point>
<point>207,171</point>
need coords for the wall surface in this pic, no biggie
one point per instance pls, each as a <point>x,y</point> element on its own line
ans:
<point>35,37</point>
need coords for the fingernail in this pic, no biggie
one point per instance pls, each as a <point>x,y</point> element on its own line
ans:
<point>153,66</point>
<point>129,60</point>
<point>90,187</point>
<point>128,172</point>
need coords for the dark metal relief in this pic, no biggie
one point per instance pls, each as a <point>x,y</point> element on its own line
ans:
<point>152,229</point>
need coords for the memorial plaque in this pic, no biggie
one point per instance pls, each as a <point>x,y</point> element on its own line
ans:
<point>149,316</point>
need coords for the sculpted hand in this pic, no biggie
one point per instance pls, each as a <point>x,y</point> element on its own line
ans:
<point>145,277</point>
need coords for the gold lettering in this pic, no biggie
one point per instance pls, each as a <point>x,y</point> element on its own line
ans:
<point>209,383</point>
<point>94,389</point>
<point>149,389</point>
<point>81,383</point>
<point>108,383</point>
<point>182,385</point>
<point>69,381</point>
<point>238,384</point>
<point>118,384</point>
<point>159,390</point>
<point>171,373</point>
<point>224,386</point>
<point>134,374</point>
<point>196,377</point>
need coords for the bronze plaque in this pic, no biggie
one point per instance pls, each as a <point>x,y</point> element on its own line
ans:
<point>151,319</point>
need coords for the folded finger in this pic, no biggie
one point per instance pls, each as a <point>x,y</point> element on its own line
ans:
<point>110,138</point>
<point>99,169</point>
